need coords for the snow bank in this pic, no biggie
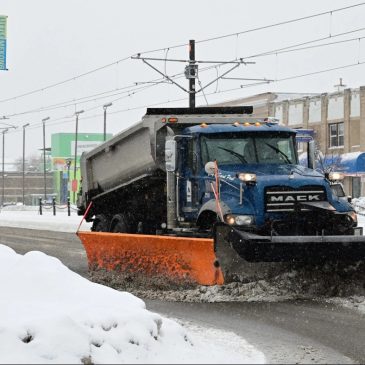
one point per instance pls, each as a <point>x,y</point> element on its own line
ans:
<point>49,314</point>
<point>355,302</point>
<point>306,283</point>
<point>361,221</point>
<point>28,217</point>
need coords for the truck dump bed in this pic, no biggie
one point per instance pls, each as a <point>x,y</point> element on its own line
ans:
<point>139,151</point>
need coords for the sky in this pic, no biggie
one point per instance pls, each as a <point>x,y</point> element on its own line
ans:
<point>55,46</point>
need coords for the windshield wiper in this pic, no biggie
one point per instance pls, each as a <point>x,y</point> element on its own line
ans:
<point>278,151</point>
<point>241,158</point>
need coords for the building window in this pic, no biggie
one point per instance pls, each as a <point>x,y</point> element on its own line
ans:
<point>336,135</point>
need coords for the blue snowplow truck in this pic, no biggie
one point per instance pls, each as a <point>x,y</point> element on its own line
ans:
<point>216,172</point>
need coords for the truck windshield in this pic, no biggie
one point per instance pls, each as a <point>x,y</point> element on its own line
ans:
<point>268,148</point>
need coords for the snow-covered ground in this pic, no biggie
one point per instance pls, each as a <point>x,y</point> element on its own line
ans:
<point>28,217</point>
<point>49,314</point>
<point>361,219</point>
<point>69,319</point>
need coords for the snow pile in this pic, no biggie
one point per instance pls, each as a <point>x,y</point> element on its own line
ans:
<point>48,314</point>
<point>354,302</point>
<point>359,205</point>
<point>28,217</point>
<point>341,280</point>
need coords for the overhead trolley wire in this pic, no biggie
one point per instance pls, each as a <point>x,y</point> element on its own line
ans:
<point>70,118</point>
<point>281,23</point>
<point>181,45</point>
<point>134,88</point>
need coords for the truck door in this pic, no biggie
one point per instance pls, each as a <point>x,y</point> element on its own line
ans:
<point>188,182</point>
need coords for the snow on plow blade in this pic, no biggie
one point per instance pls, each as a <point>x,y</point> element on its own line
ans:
<point>256,248</point>
<point>245,256</point>
<point>176,260</point>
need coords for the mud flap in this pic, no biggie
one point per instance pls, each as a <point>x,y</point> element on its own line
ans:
<point>175,260</point>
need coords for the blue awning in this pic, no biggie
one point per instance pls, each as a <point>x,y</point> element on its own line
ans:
<point>352,163</point>
<point>349,163</point>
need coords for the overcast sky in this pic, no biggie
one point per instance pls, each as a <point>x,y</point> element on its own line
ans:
<point>51,41</point>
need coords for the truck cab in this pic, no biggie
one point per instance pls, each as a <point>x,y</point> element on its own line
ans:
<point>247,174</point>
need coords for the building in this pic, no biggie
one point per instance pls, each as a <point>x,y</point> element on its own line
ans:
<point>338,120</point>
<point>59,171</point>
<point>263,103</point>
<point>33,187</point>
<point>63,157</point>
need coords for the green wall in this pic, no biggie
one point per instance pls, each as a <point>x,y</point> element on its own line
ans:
<point>63,149</point>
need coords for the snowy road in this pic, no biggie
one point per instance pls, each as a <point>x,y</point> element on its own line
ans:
<point>65,246</point>
<point>287,332</point>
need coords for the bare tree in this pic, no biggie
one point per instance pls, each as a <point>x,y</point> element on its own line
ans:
<point>328,162</point>
<point>33,163</point>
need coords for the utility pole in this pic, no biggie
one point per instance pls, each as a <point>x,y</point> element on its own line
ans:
<point>4,131</point>
<point>44,157</point>
<point>340,86</point>
<point>75,158</point>
<point>24,126</point>
<point>3,170</point>
<point>105,106</point>
<point>192,74</point>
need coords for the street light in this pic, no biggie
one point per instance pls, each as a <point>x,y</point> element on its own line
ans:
<point>105,106</point>
<point>3,170</point>
<point>76,135</point>
<point>44,157</point>
<point>4,131</point>
<point>24,126</point>
<point>68,164</point>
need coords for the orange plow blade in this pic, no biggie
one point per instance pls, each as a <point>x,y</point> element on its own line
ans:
<point>174,259</point>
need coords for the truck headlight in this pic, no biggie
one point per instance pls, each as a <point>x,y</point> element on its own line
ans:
<point>247,177</point>
<point>353,216</point>
<point>336,176</point>
<point>239,220</point>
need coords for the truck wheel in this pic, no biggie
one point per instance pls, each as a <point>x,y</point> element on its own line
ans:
<point>100,224</point>
<point>207,220</point>
<point>119,224</point>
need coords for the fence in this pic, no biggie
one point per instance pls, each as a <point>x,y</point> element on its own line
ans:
<point>55,206</point>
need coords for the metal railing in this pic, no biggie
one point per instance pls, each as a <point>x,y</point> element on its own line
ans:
<point>55,207</point>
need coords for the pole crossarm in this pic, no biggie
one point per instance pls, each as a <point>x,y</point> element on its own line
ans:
<point>236,64</point>
<point>165,76</point>
<point>217,78</point>
<point>191,71</point>
<point>240,61</point>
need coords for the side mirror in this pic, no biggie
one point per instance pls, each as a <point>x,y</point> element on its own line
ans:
<point>210,168</point>
<point>311,155</point>
<point>170,155</point>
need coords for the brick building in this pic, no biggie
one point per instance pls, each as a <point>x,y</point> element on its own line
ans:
<point>33,187</point>
<point>338,120</point>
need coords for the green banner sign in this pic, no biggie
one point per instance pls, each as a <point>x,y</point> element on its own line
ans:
<point>3,31</point>
<point>3,21</point>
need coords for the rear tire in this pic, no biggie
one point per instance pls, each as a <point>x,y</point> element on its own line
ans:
<point>120,224</point>
<point>206,222</point>
<point>101,223</point>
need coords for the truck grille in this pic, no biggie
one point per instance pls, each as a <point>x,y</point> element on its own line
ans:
<point>285,198</point>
